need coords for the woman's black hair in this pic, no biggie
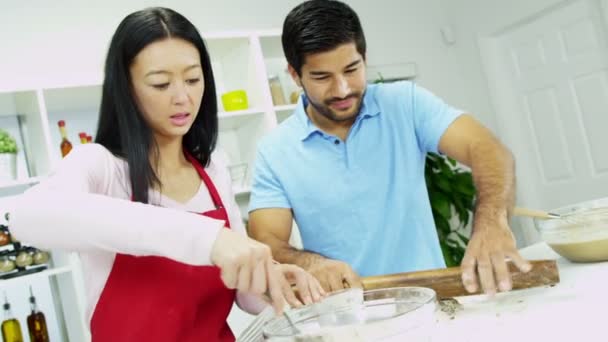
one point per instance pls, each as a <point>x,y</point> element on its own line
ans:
<point>122,128</point>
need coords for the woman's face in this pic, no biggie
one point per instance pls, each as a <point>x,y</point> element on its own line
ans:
<point>167,80</point>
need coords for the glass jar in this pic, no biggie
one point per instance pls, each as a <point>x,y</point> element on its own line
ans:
<point>276,91</point>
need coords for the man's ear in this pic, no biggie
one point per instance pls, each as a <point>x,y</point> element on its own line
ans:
<point>294,75</point>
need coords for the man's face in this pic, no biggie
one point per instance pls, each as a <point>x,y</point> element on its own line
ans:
<point>334,82</point>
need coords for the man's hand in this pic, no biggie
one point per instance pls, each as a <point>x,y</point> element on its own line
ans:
<point>334,275</point>
<point>491,244</point>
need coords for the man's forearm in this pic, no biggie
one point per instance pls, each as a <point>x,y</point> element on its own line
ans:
<point>287,254</point>
<point>493,170</point>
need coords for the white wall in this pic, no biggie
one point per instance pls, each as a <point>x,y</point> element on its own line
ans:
<point>472,19</point>
<point>45,41</point>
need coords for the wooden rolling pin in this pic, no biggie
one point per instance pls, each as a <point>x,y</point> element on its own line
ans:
<point>447,282</point>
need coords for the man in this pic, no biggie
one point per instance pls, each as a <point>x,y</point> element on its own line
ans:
<point>349,166</point>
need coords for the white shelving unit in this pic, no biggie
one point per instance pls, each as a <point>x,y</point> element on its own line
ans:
<point>241,60</point>
<point>283,112</point>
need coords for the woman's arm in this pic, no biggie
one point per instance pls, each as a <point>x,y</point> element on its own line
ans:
<point>70,210</point>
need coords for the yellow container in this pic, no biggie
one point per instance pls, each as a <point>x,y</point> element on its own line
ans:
<point>235,100</point>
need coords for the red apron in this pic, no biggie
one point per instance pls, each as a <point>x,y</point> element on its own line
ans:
<point>157,299</point>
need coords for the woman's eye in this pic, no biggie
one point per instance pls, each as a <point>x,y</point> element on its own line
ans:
<point>161,86</point>
<point>193,80</point>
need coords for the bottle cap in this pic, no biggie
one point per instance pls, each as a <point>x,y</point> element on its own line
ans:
<point>32,298</point>
<point>61,123</point>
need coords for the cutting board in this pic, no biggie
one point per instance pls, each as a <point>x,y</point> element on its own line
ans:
<point>447,281</point>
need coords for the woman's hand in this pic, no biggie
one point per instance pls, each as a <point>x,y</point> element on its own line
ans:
<point>247,266</point>
<point>308,287</point>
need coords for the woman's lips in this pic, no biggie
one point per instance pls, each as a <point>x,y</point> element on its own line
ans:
<point>180,119</point>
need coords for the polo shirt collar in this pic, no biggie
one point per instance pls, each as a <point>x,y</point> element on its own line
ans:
<point>369,108</point>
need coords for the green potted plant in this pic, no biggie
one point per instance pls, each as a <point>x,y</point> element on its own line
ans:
<point>452,195</point>
<point>8,156</point>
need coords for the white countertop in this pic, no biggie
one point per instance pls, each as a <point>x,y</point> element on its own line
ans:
<point>573,310</point>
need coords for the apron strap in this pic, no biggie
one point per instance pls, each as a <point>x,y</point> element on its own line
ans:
<point>215,196</point>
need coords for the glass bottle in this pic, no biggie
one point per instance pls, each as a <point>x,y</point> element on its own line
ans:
<point>83,137</point>
<point>66,145</point>
<point>36,323</point>
<point>11,330</point>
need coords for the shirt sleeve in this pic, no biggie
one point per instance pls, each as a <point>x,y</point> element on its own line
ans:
<point>70,211</point>
<point>266,190</point>
<point>432,117</point>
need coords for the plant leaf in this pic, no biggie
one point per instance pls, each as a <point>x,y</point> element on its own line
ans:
<point>464,239</point>
<point>441,205</point>
<point>447,255</point>
<point>442,225</point>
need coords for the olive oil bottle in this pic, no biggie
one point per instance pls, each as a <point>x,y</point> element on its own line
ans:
<point>11,330</point>
<point>36,323</point>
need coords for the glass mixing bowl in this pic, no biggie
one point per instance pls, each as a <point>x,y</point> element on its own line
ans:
<point>402,313</point>
<point>581,234</point>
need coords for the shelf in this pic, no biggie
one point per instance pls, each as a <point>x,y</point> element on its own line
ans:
<point>272,47</point>
<point>20,116</point>
<point>283,115</point>
<point>73,99</point>
<point>275,33</point>
<point>19,182</point>
<point>241,191</point>
<point>235,68</point>
<point>276,64</point>
<point>236,119</point>
<point>285,108</point>
<point>34,276</point>
<point>250,111</point>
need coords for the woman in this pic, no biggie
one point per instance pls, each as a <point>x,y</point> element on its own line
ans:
<point>154,270</point>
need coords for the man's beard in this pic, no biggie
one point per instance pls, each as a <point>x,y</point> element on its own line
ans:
<point>325,110</point>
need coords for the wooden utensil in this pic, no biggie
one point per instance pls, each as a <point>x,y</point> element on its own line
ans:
<point>575,217</point>
<point>539,214</point>
<point>447,282</point>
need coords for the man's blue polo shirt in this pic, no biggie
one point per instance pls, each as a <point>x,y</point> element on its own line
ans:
<point>364,200</point>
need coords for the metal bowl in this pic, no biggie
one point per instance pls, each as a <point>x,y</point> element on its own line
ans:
<point>581,235</point>
<point>401,312</point>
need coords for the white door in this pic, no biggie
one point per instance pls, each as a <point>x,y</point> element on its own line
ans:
<point>549,82</point>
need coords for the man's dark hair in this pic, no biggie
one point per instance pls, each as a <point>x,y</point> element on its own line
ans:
<point>319,26</point>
